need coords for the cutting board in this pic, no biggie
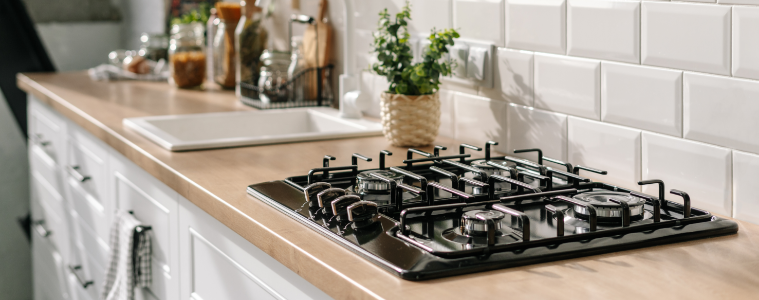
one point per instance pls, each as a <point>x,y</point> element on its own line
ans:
<point>321,41</point>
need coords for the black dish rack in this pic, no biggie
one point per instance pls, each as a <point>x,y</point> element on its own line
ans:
<point>250,92</point>
<point>285,92</point>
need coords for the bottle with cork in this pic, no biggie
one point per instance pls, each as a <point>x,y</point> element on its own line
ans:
<point>251,39</point>
<point>224,44</point>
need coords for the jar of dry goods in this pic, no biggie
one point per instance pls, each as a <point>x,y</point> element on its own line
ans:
<point>187,58</point>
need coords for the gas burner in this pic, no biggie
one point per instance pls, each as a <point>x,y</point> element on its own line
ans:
<point>490,171</point>
<point>474,222</point>
<point>606,210</point>
<point>473,230</point>
<point>366,184</point>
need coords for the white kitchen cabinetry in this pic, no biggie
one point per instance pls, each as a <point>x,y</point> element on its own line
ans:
<point>78,182</point>
<point>220,264</point>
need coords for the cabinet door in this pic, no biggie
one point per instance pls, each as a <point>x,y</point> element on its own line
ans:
<point>48,269</point>
<point>155,205</point>
<point>220,264</point>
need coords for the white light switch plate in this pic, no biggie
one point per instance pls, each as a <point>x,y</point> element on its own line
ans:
<point>484,54</point>
<point>475,68</point>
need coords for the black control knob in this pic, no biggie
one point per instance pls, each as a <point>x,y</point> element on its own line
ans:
<point>325,197</point>
<point>362,213</point>
<point>312,190</point>
<point>340,206</point>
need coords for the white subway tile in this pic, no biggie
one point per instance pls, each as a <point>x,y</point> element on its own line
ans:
<point>701,170</point>
<point>721,110</point>
<point>686,36</point>
<point>642,97</point>
<point>479,20</point>
<point>364,56</point>
<point>528,127</point>
<point>513,77</point>
<point>446,114</point>
<point>753,2</point>
<point>607,147</point>
<point>604,29</point>
<point>429,14</point>
<point>478,119</point>
<point>538,25</point>
<point>746,41</point>
<point>367,13</point>
<point>745,177</point>
<point>568,85</point>
<point>700,1</point>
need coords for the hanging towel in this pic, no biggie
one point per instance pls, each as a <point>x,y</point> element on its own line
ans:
<point>130,263</point>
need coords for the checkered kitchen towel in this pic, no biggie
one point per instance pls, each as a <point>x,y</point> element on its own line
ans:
<point>130,264</point>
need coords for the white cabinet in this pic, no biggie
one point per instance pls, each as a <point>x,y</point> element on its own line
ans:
<point>220,264</point>
<point>155,205</point>
<point>77,184</point>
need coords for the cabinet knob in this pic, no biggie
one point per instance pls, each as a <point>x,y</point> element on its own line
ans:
<point>74,172</point>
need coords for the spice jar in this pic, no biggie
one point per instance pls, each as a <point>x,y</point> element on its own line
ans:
<point>273,76</point>
<point>251,40</point>
<point>187,55</point>
<point>224,44</point>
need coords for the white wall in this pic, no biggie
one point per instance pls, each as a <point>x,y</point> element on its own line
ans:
<point>79,46</point>
<point>643,89</point>
<point>15,253</point>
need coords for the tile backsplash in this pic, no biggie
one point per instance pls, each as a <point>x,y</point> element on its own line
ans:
<point>642,89</point>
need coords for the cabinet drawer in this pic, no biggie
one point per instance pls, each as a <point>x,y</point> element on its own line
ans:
<point>87,239</point>
<point>48,269</point>
<point>45,167</point>
<point>48,217</point>
<point>46,129</point>
<point>87,163</point>
<point>87,277</point>
<point>90,213</point>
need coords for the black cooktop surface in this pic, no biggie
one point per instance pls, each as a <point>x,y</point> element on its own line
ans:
<point>440,215</point>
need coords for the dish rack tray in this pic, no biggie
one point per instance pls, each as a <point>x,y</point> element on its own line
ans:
<point>284,95</point>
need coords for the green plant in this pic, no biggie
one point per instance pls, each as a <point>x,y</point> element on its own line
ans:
<point>196,15</point>
<point>391,43</point>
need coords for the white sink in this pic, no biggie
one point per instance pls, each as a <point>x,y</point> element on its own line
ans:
<point>234,129</point>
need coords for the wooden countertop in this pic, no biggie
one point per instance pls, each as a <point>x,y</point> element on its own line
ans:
<point>215,180</point>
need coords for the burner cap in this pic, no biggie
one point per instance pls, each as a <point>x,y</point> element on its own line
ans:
<point>472,225</point>
<point>368,184</point>
<point>607,209</point>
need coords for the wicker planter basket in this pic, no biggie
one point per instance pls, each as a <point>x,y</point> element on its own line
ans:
<point>410,121</point>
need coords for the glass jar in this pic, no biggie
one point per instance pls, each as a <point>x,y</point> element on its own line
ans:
<point>154,46</point>
<point>297,65</point>
<point>187,58</point>
<point>211,26</point>
<point>273,76</point>
<point>224,53</point>
<point>251,40</point>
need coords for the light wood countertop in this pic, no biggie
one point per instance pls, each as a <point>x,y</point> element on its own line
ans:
<point>215,180</point>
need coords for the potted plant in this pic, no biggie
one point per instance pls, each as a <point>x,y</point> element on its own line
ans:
<point>410,109</point>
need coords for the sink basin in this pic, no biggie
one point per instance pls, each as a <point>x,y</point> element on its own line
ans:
<point>235,129</point>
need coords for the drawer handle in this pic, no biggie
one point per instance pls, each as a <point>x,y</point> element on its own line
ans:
<point>74,172</point>
<point>39,227</point>
<point>84,283</point>
<point>37,139</point>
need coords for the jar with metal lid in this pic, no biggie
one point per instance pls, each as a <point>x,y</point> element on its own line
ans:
<point>187,58</point>
<point>154,46</point>
<point>273,76</point>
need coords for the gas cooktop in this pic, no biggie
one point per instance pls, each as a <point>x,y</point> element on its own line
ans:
<point>443,215</point>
